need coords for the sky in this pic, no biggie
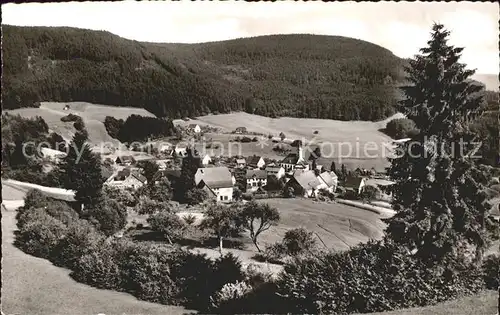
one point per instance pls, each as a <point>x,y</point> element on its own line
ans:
<point>402,27</point>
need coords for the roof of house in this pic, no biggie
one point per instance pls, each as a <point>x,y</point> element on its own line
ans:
<point>52,153</point>
<point>328,178</point>
<point>306,179</point>
<point>192,125</point>
<point>215,177</point>
<point>274,168</point>
<point>125,158</point>
<point>378,182</point>
<point>106,173</point>
<point>143,157</point>
<point>291,158</point>
<point>353,182</point>
<point>253,160</point>
<point>239,161</point>
<point>139,176</point>
<point>259,174</point>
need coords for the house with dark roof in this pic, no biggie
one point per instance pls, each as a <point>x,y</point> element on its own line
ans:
<point>255,179</point>
<point>256,161</point>
<point>125,160</point>
<point>217,181</point>
<point>274,170</point>
<point>355,184</point>
<point>126,178</point>
<point>304,183</point>
<point>241,163</point>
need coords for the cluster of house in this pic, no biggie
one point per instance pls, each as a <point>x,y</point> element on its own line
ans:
<point>297,173</point>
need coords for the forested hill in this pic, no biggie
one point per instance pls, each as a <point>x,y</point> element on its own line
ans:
<point>282,75</point>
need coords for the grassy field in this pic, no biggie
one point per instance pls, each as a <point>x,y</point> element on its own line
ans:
<point>92,114</point>
<point>338,226</point>
<point>345,139</point>
<point>481,304</point>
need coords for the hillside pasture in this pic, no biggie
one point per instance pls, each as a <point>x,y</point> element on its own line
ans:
<point>354,143</point>
<point>93,116</point>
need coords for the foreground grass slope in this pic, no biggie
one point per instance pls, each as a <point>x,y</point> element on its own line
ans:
<point>32,285</point>
<point>285,75</point>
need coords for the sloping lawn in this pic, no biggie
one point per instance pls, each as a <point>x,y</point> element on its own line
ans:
<point>481,304</point>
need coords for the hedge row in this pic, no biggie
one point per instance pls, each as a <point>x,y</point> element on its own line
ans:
<point>156,273</point>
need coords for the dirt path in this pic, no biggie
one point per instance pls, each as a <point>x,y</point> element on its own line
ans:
<point>32,285</point>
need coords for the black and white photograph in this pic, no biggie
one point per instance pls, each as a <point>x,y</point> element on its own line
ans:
<point>250,157</point>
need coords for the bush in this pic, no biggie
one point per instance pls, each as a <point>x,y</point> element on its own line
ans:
<point>61,211</point>
<point>198,278</point>
<point>255,139</point>
<point>70,117</point>
<point>372,277</point>
<point>491,269</point>
<point>108,216</point>
<point>81,239</point>
<point>124,197</point>
<point>146,273</point>
<point>40,234</point>
<point>298,241</point>
<point>227,300</point>
<point>149,206</point>
<point>400,128</point>
<point>195,196</point>
<point>99,268</point>
<point>35,198</point>
<point>168,224</point>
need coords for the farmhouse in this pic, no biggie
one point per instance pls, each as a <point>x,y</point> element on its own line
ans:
<point>180,150</point>
<point>328,181</point>
<point>217,181</point>
<point>355,184</point>
<point>206,160</point>
<point>194,128</point>
<point>256,179</point>
<point>125,160</point>
<point>241,163</point>
<point>165,148</point>
<point>277,171</point>
<point>304,183</point>
<point>256,162</point>
<point>126,179</point>
<point>53,155</point>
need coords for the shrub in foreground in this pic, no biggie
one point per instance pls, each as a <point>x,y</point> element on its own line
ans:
<point>81,239</point>
<point>373,277</point>
<point>40,234</point>
<point>99,268</point>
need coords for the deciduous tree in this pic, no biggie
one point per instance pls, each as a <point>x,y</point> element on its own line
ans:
<point>257,218</point>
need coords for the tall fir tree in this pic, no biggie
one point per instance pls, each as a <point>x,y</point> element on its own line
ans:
<point>439,192</point>
<point>81,171</point>
<point>190,164</point>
